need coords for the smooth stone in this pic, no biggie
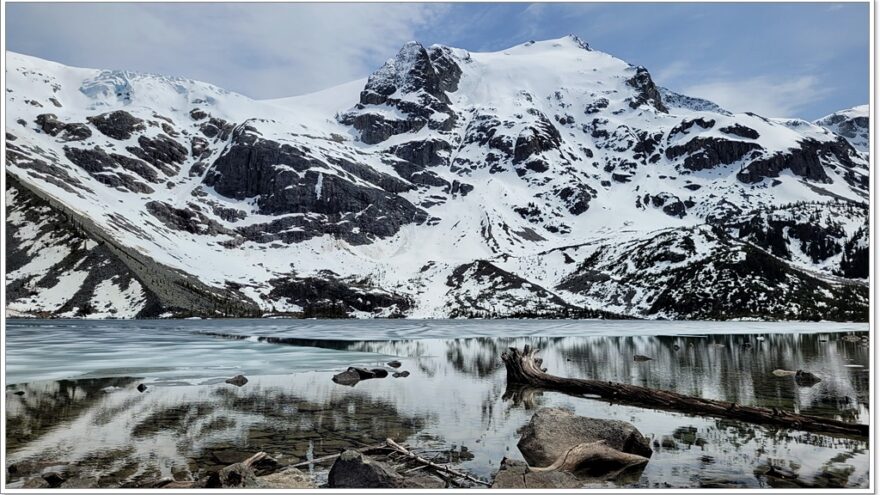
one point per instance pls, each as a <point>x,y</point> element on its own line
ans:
<point>237,380</point>
<point>552,432</point>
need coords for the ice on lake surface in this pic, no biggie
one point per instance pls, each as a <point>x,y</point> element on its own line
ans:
<point>81,407</point>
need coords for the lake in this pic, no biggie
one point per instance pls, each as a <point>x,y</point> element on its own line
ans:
<point>81,407</point>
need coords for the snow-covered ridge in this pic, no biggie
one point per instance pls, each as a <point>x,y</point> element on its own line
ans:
<point>852,124</point>
<point>413,191</point>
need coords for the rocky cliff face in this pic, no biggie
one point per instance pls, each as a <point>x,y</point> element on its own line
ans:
<point>851,124</point>
<point>548,179</point>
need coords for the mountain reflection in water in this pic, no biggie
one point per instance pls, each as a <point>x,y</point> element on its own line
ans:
<point>455,403</point>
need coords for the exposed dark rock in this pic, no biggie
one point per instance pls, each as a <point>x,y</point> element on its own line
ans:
<point>805,161</point>
<point>141,388</point>
<point>347,377</point>
<point>597,106</point>
<point>427,153</point>
<point>198,114</point>
<point>283,179</point>
<point>741,131</point>
<point>54,475</point>
<point>217,128</point>
<point>687,124</point>
<point>352,375</point>
<point>577,200</point>
<point>552,432</point>
<point>186,219</point>
<point>98,163</point>
<point>50,124</point>
<point>412,71</point>
<point>117,125</point>
<point>639,357</point>
<point>164,153</point>
<point>540,137</point>
<point>709,152</point>
<point>198,145</point>
<point>238,476</point>
<point>354,470</point>
<point>400,374</point>
<point>646,91</point>
<point>327,296</point>
<point>237,380</point>
<point>805,378</point>
<point>446,67</point>
<point>394,364</point>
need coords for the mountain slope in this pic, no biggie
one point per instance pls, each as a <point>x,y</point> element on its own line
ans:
<point>446,181</point>
<point>852,124</point>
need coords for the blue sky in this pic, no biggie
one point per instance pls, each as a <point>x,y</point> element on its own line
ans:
<point>791,59</point>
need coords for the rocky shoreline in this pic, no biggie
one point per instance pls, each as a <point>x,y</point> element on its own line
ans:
<point>560,450</point>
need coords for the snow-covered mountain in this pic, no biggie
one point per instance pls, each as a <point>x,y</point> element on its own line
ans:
<point>852,124</point>
<point>547,179</point>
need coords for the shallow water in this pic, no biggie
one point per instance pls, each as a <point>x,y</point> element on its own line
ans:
<point>81,408</point>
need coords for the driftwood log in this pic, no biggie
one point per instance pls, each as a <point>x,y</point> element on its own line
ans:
<point>443,469</point>
<point>524,368</point>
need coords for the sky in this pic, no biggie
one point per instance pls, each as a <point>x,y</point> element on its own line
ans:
<point>782,60</point>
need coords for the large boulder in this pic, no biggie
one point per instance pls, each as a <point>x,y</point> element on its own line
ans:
<point>553,431</point>
<point>355,470</point>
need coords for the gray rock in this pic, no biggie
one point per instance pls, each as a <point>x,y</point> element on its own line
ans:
<point>237,380</point>
<point>353,375</point>
<point>347,377</point>
<point>354,470</point>
<point>54,475</point>
<point>553,431</point>
<point>34,483</point>
<point>401,374</point>
<point>639,357</point>
<point>288,478</point>
<point>181,473</point>
<point>805,378</point>
<point>238,476</point>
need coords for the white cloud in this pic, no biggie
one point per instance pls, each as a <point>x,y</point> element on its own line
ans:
<point>262,50</point>
<point>670,73</point>
<point>764,95</point>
